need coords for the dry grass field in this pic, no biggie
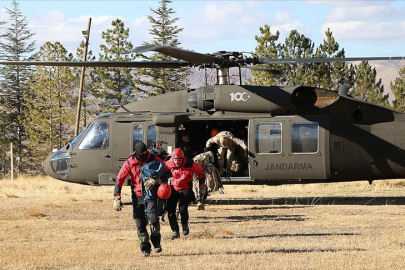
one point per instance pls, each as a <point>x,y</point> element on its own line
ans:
<point>49,224</point>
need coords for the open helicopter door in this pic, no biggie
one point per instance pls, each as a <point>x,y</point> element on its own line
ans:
<point>289,148</point>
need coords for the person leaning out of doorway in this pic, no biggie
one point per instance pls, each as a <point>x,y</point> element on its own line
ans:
<point>226,142</point>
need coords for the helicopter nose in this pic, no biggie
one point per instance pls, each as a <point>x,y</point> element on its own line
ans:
<point>57,165</point>
<point>46,166</point>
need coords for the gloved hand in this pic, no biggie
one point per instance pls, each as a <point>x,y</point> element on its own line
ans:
<point>203,189</point>
<point>206,149</point>
<point>150,183</point>
<point>117,203</point>
<point>249,154</point>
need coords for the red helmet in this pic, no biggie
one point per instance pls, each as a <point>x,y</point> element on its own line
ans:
<point>177,153</point>
<point>164,191</point>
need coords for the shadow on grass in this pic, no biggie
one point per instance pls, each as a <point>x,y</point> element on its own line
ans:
<point>243,218</point>
<point>283,250</point>
<point>253,207</point>
<point>306,201</point>
<point>287,235</point>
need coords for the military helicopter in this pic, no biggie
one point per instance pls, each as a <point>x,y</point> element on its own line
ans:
<point>296,134</point>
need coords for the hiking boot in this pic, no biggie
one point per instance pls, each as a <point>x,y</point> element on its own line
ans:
<point>158,249</point>
<point>186,230</point>
<point>145,253</point>
<point>175,235</point>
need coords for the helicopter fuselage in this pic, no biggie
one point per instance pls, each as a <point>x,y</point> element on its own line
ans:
<point>297,135</point>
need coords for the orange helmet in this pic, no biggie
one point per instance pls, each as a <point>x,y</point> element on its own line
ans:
<point>164,191</point>
<point>214,132</point>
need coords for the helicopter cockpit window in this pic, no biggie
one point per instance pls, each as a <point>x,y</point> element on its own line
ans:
<point>137,135</point>
<point>151,136</point>
<point>75,140</point>
<point>268,138</point>
<point>304,137</point>
<point>97,137</point>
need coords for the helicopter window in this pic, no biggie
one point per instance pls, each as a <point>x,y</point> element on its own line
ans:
<point>268,138</point>
<point>151,135</point>
<point>137,135</point>
<point>75,140</point>
<point>97,137</point>
<point>304,137</point>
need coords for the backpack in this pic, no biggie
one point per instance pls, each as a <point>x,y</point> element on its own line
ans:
<point>155,170</point>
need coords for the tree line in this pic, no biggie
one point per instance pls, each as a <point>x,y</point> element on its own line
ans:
<point>38,104</point>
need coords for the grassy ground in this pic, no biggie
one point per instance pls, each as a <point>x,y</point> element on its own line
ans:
<point>48,224</point>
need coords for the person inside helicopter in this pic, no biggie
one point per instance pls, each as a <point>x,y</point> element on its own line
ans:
<point>185,144</point>
<point>101,137</point>
<point>97,137</point>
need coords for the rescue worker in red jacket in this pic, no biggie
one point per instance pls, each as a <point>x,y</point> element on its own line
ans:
<point>132,167</point>
<point>181,181</point>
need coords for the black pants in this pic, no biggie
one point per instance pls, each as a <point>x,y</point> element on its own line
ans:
<point>184,197</point>
<point>143,209</point>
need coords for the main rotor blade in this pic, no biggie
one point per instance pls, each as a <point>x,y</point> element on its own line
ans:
<point>325,60</point>
<point>127,64</point>
<point>268,70</point>
<point>189,56</point>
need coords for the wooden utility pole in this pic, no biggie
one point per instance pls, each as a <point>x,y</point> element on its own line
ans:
<point>79,102</point>
<point>12,161</point>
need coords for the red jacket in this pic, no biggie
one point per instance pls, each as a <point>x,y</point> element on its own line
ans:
<point>132,167</point>
<point>183,175</point>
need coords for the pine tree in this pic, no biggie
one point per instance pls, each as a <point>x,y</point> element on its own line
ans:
<point>296,46</point>
<point>164,33</point>
<point>16,45</point>
<point>115,84</point>
<point>332,74</point>
<point>267,48</point>
<point>366,86</point>
<point>50,116</point>
<point>398,90</point>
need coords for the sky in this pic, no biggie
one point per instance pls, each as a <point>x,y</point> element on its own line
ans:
<point>362,28</point>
